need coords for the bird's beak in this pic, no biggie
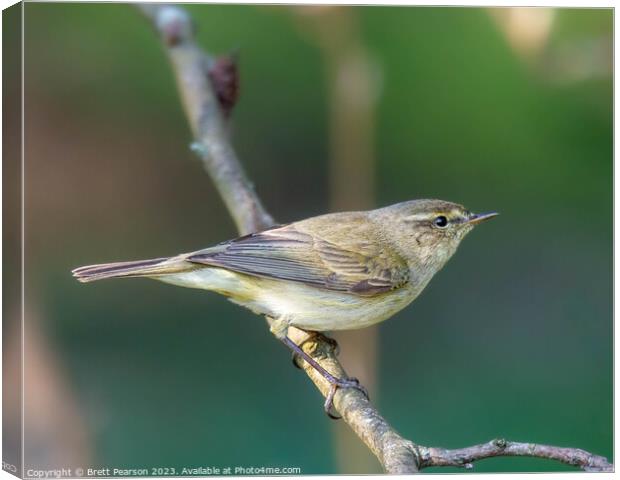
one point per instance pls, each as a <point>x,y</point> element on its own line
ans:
<point>481,217</point>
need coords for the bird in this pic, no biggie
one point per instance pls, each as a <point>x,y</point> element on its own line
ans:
<point>337,271</point>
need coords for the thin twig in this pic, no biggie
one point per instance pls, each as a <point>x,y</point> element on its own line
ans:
<point>463,457</point>
<point>396,454</point>
<point>190,65</point>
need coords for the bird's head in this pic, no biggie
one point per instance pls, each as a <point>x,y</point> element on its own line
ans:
<point>428,232</point>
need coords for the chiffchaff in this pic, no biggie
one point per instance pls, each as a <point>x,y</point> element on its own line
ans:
<point>338,271</point>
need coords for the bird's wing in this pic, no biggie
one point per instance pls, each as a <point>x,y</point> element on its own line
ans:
<point>298,254</point>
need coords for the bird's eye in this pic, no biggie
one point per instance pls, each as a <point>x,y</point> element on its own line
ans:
<point>440,221</point>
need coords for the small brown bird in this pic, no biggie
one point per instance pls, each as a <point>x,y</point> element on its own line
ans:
<point>338,271</point>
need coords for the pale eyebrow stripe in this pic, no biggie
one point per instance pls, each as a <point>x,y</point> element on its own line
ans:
<point>453,216</point>
<point>418,217</point>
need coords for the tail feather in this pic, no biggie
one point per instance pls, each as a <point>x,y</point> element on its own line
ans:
<point>139,268</point>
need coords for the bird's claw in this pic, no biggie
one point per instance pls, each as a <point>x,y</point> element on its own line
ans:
<point>334,382</point>
<point>341,383</point>
<point>329,403</point>
<point>297,361</point>
<point>332,343</point>
<point>318,336</point>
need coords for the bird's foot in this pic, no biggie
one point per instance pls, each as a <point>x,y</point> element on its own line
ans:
<point>341,383</point>
<point>335,382</point>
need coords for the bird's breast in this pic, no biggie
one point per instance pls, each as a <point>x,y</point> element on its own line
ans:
<point>304,306</point>
<point>317,309</point>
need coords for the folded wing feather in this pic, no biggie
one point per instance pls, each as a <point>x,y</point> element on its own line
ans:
<point>289,253</point>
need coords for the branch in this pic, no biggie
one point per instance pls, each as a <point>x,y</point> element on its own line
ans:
<point>191,68</point>
<point>397,455</point>
<point>463,457</point>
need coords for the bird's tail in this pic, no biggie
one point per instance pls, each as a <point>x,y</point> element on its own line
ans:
<point>139,268</point>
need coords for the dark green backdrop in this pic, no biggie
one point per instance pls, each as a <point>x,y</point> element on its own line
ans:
<point>513,338</point>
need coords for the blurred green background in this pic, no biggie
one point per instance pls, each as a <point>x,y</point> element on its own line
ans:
<point>507,110</point>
